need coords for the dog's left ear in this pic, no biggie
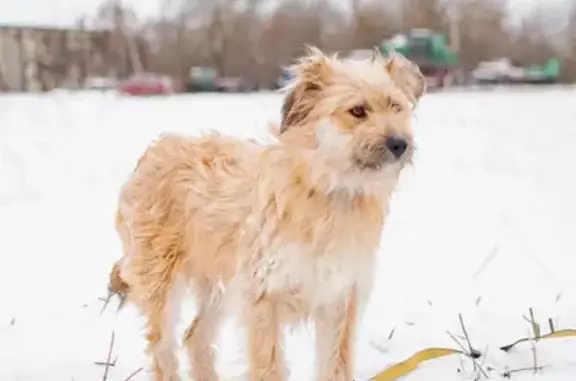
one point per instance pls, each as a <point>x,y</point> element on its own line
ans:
<point>407,76</point>
<point>310,75</point>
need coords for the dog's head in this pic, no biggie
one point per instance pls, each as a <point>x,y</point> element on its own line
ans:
<point>355,115</point>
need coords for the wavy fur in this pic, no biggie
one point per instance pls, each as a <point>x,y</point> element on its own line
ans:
<point>277,233</point>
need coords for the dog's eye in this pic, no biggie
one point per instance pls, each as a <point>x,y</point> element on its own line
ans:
<point>395,107</point>
<point>358,111</point>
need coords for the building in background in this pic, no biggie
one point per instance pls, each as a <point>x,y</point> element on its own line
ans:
<point>45,58</point>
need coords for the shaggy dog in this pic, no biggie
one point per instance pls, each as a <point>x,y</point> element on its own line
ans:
<point>283,232</point>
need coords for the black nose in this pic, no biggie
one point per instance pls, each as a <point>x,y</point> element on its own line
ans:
<point>396,145</point>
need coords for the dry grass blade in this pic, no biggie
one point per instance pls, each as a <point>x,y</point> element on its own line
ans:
<point>104,363</point>
<point>508,373</point>
<point>537,335</point>
<point>105,301</point>
<point>399,370</point>
<point>391,334</point>
<point>558,297</point>
<point>470,352</point>
<point>377,347</point>
<point>121,302</point>
<point>464,351</point>
<point>535,326</point>
<point>552,335</point>
<point>133,374</point>
<point>478,300</point>
<point>457,342</point>
<point>108,363</point>
<point>485,357</point>
<point>489,258</point>
<point>534,356</point>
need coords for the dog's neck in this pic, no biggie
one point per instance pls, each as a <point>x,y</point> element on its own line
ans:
<point>298,170</point>
<point>311,215</point>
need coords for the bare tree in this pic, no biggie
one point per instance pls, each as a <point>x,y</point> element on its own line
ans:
<point>374,21</point>
<point>430,14</point>
<point>481,29</point>
<point>569,58</point>
<point>256,38</point>
<point>120,20</point>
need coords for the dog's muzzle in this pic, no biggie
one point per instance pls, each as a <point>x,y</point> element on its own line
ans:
<point>386,150</point>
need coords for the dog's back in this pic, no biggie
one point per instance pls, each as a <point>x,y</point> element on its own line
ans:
<point>180,212</point>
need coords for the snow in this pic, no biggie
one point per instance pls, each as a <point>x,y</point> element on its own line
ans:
<point>482,225</point>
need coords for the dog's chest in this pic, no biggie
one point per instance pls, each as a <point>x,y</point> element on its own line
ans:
<point>317,280</point>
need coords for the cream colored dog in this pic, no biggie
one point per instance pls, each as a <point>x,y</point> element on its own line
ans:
<point>282,232</point>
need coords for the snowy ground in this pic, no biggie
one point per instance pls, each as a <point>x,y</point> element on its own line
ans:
<point>483,225</point>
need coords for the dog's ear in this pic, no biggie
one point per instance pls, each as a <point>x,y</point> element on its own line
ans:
<point>297,105</point>
<point>407,76</point>
<point>309,76</point>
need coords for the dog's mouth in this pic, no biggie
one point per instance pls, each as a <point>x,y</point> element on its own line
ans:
<point>368,165</point>
<point>375,163</point>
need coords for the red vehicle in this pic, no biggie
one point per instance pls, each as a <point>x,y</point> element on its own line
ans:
<point>147,84</point>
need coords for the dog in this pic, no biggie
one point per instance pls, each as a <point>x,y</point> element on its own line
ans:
<point>279,233</point>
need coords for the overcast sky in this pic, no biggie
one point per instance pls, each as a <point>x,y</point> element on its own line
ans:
<point>65,12</point>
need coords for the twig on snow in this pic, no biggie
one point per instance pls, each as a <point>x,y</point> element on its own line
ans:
<point>108,298</point>
<point>133,374</point>
<point>536,336</point>
<point>558,297</point>
<point>478,300</point>
<point>470,351</point>
<point>534,356</point>
<point>508,373</point>
<point>535,326</point>
<point>377,346</point>
<point>485,357</point>
<point>491,255</point>
<point>108,363</point>
<point>457,342</point>
<point>391,334</point>
<point>105,302</point>
<point>462,365</point>
<point>104,363</point>
<point>473,352</point>
<point>473,356</point>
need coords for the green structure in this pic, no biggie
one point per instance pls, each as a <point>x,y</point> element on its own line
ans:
<point>548,73</point>
<point>502,71</point>
<point>428,49</point>
<point>202,79</point>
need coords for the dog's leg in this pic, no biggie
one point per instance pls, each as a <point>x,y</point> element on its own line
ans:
<point>335,338</point>
<point>162,308</point>
<point>201,333</point>
<point>265,349</point>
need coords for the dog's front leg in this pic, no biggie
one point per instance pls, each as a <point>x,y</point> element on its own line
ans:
<point>335,339</point>
<point>266,354</point>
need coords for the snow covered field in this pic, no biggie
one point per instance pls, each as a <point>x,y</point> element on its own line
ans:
<point>482,225</point>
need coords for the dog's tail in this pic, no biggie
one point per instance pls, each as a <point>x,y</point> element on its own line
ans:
<point>117,286</point>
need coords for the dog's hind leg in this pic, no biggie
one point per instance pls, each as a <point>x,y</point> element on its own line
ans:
<point>162,314</point>
<point>160,288</point>
<point>201,333</point>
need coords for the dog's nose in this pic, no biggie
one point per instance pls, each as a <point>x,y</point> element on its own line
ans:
<point>397,145</point>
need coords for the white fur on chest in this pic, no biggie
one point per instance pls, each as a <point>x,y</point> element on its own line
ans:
<point>316,280</point>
